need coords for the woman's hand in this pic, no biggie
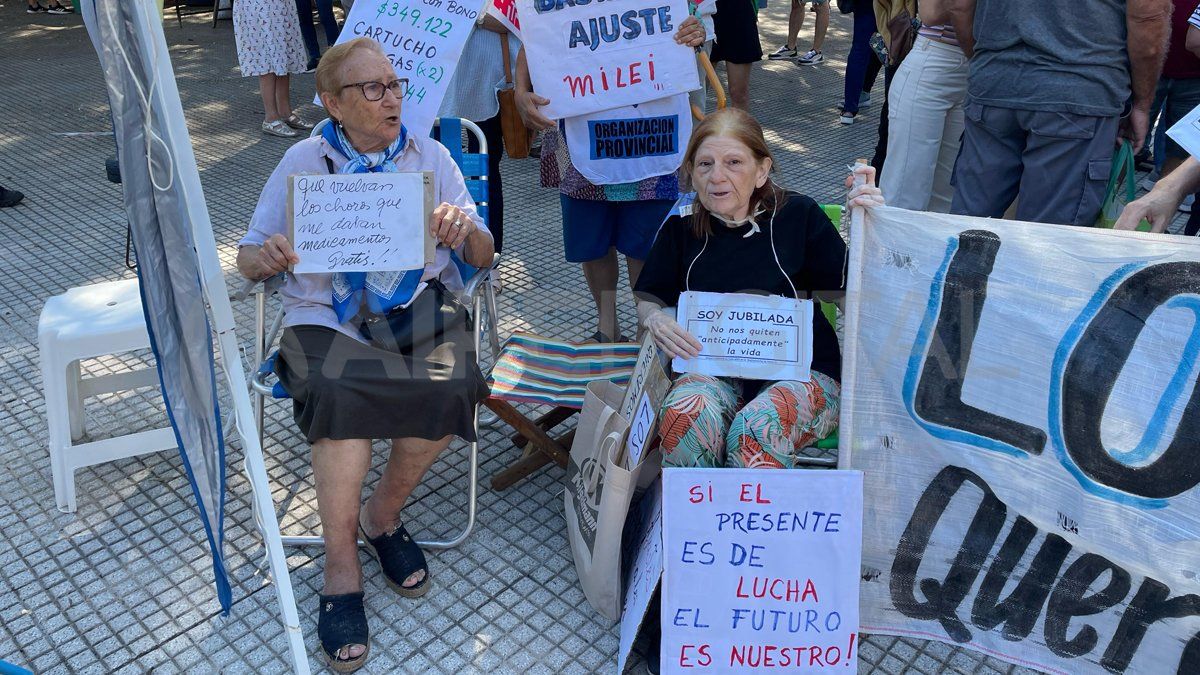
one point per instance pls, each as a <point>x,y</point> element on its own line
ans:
<point>274,256</point>
<point>671,337</point>
<point>690,33</point>
<point>450,225</point>
<point>866,195</point>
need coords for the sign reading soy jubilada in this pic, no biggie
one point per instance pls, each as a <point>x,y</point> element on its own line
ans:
<point>760,570</point>
<point>589,56</point>
<point>424,40</point>
<point>758,337</point>
<point>365,222</point>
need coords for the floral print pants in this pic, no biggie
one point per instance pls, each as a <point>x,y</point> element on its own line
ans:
<point>701,425</point>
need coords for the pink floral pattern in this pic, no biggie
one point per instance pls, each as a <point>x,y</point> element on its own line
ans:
<point>701,425</point>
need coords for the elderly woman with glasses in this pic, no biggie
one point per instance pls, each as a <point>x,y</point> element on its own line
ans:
<point>346,388</point>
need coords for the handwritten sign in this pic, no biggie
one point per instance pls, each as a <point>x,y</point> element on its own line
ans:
<point>644,572</point>
<point>505,11</point>
<point>750,336</point>
<point>586,57</point>
<point>760,570</point>
<point>424,40</point>
<point>1186,132</point>
<point>360,222</point>
<point>641,428</point>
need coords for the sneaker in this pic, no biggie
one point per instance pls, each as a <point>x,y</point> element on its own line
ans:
<point>811,58</point>
<point>847,117</point>
<point>37,9</point>
<point>1186,205</point>
<point>864,99</point>
<point>312,65</point>
<point>784,52</point>
<point>57,9</point>
<point>10,197</point>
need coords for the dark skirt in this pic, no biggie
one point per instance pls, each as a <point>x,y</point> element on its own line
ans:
<point>344,389</point>
<point>736,26</point>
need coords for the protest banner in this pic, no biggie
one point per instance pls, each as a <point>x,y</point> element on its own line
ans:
<point>587,57</point>
<point>645,570</point>
<point>366,222</point>
<point>632,143</point>
<point>760,570</point>
<point>760,337</point>
<point>1023,400</point>
<point>505,11</point>
<point>424,40</point>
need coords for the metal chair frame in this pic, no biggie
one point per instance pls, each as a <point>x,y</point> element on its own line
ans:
<point>474,168</point>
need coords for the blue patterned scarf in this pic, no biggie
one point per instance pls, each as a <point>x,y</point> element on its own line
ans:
<point>380,291</point>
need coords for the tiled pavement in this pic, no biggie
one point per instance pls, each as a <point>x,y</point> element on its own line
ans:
<point>124,585</point>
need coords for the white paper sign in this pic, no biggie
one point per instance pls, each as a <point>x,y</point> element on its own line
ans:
<point>1186,132</point>
<point>641,429</point>
<point>592,56</point>
<point>760,570</point>
<point>371,222</point>
<point>644,572</point>
<point>754,337</point>
<point>1023,399</point>
<point>424,40</point>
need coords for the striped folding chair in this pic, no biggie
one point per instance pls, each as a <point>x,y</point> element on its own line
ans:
<point>546,371</point>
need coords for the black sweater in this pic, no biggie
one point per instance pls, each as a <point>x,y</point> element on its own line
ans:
<point>809,247</point>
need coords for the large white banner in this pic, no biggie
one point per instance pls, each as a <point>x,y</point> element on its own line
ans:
<point>591,56</point>
<point>1022,400</point>
<point>424,40</point>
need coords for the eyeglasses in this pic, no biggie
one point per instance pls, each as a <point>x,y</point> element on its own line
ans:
<point>373,91</point>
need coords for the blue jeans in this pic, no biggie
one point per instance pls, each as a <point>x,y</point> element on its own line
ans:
<point>325,12</point>
<point>860,54</point>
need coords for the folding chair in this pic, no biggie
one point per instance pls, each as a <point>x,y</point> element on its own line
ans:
<point>535,369</point>
<point>478,294</point>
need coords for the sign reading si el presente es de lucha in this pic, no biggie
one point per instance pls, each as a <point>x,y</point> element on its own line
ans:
<point>590,55</point>
<point>424,40</point>
<point>760,570</point>
<point>1023,400</point>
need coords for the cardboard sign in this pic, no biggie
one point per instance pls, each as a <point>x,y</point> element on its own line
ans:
<point>1023,399</point>
<point>424,40</point>
<point>760,570</point>
<point>644,572</point>
<point>757,337</point>
<point>641,431</point>
<point>648,376</point>
<point>592,56</point>
<point>364,222</point>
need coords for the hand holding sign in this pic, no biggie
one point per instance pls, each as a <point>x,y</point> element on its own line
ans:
<point>671,337</point>
<point>588,58</point>
<point>757,337</point>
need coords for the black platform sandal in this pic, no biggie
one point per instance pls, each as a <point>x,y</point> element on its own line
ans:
<point>342,622</point>
<point>400,558</point>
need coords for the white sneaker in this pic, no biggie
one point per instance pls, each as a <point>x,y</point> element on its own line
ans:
<point>811,58</point>
<point>784,52</point>
<point>847,117</point>
<point>864,100</point>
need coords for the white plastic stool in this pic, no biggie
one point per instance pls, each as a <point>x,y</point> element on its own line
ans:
<point>87,322</point>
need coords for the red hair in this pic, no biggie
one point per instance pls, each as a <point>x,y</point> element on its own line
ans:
<point>739,125</point>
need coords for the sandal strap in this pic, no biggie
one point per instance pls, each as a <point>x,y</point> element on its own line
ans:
<point>341,622</point>
<point>398,554</point>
